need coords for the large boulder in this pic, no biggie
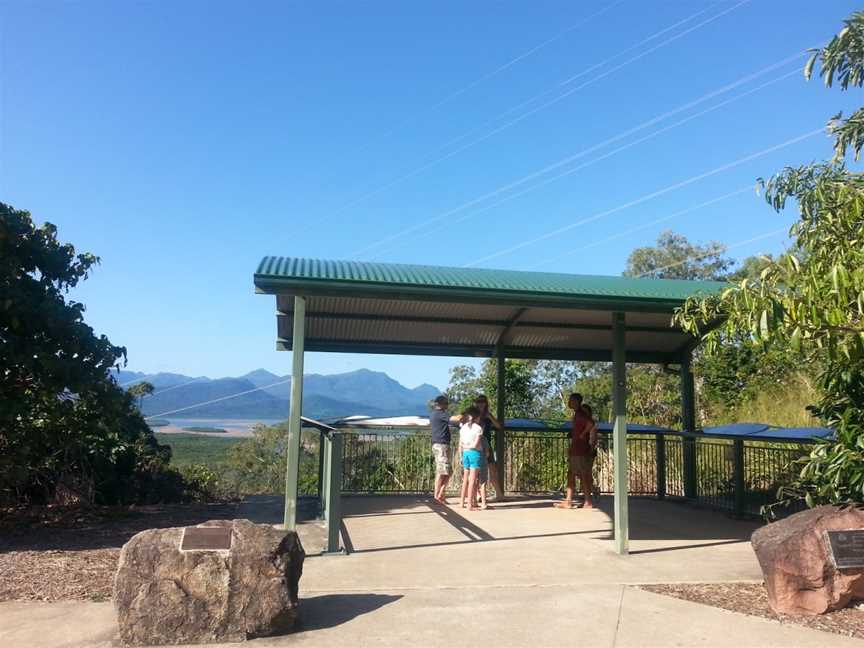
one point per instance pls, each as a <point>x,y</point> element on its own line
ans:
<point>167,595</point>
<point>796,561</point>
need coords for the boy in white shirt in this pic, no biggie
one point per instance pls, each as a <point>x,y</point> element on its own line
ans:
<point>470,439</point>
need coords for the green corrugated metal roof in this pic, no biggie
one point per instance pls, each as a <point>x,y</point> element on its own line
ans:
<point>289,274</point>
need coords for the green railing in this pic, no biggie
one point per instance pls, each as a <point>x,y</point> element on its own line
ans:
<point>733,474</point>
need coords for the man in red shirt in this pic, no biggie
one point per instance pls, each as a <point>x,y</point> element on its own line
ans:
<point>583,441</point>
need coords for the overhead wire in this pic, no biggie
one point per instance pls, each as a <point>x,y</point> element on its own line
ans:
<point>218,400</point>
<point>646,197</point>
<point>582,153</point>
<point>500,69</point>
<point>533,111</point>
<point>582,246</point>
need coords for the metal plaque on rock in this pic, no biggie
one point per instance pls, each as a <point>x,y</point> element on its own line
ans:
<point>206,539</point>
<point>847,548</point>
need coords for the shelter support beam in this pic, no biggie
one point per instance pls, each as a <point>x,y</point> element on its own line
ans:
<point>500,403</point>
<point>619,433</point>
<point>688,424</point>
<point>333,512</point>
<point>292,468</point>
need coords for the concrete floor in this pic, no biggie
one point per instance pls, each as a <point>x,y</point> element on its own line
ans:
<point>522,574</point>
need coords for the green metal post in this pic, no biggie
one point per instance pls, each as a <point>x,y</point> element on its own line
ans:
<point>325,474</point>
<point>660,469</point>
<point>619,433</point>
<point>500,437</point>
<point>738,475</point>
<point>688,425</point>
<point>292,468</point>
<point>333,514</point>
<point>321,470</point>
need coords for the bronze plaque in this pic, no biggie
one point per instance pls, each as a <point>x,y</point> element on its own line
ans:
<point>206,539</point>
<point>847,548</point>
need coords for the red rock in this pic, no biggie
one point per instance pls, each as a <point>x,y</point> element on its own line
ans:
<point>796,562</point>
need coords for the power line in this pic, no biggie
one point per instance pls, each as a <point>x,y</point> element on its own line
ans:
<point>647,197</point>
<point>712,253</point>
<point>500,69</point>
<point>556,87</point>
<point>585,246</point>
<point>609,154</point>
<point>516,120</point>
<point>571,158</point>
<point>217,400</point>
<point>162,391</point>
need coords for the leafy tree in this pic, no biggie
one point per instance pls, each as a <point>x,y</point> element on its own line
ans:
<point>66,430</point>
<point>674,257</point>
<point>812,300</point>
<point>140,390</point>
<point>466,384</point>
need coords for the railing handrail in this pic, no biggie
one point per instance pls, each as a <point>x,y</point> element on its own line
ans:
<point>401,429</point>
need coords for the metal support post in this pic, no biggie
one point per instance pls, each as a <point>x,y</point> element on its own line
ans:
<point>619,433</point>
<point>500,437</point>
<point>292,468</point>
<point>333,513</point>
<point>660,470</point>
<point>688,426</point>
<point>738,474</point>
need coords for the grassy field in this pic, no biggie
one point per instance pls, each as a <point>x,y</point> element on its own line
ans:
<point>197,448</point>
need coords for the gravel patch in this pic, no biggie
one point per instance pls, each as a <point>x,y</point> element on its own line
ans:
<point>56,554</point>
<point>750,598</point>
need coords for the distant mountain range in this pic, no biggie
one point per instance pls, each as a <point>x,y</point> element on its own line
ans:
<point>372,393</point>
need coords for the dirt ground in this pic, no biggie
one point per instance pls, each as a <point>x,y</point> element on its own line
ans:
<point>750,598</point>
<point>56,554</point>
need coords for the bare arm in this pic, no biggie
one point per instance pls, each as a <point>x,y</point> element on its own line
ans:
<point>495,422</point>
<point>592,435</point>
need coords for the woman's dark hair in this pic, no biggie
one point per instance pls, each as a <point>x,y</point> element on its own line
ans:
<point>588,411</point>
<point>441,401</point>
<point>472,411</point>
<point>576,395</point>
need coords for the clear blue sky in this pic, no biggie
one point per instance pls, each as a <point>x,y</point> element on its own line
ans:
<point>182,142</point>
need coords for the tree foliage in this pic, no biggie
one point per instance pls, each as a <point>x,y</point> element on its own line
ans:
<point>674,257</point>
<point>140,390</point>
<point>811,300</point>
<point>67,431</point>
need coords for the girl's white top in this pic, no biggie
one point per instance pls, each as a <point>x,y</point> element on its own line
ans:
<point>468,434</point>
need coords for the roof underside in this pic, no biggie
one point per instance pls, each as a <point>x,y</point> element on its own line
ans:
<point>426,310</point>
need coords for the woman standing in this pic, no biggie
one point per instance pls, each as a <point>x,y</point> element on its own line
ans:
<point>490,423</point>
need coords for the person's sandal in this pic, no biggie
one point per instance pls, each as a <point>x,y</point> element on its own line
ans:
<point>566,504</point>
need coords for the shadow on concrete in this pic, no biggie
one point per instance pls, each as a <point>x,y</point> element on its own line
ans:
<point>330,610</point>
<point>464,526</point>
<point>490,539</point>
<point>690,546</point>
<point>651,519</point>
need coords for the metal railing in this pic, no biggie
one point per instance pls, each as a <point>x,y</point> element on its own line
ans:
<point>732,474</point>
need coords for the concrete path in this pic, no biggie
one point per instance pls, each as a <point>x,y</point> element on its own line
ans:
<point>597,616</point>
<point>524,574</point>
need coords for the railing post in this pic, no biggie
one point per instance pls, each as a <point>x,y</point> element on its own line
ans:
<point>738,474</point>
<point>691,476</point>
<point>333,513</point>
<point>660,470</point>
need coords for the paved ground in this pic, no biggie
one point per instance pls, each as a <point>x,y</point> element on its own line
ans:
<point>523,574</point>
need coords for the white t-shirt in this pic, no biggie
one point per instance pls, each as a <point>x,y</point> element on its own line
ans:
<point>468,435</point>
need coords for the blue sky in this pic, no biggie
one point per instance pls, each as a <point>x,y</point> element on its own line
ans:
<point>181,142</point>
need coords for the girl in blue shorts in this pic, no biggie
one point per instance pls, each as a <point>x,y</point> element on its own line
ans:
<point>470,439</point>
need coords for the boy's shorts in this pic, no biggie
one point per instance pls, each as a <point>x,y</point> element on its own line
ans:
<point>581,465</point>
<point>443,464</point>
<point>472,459</point>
